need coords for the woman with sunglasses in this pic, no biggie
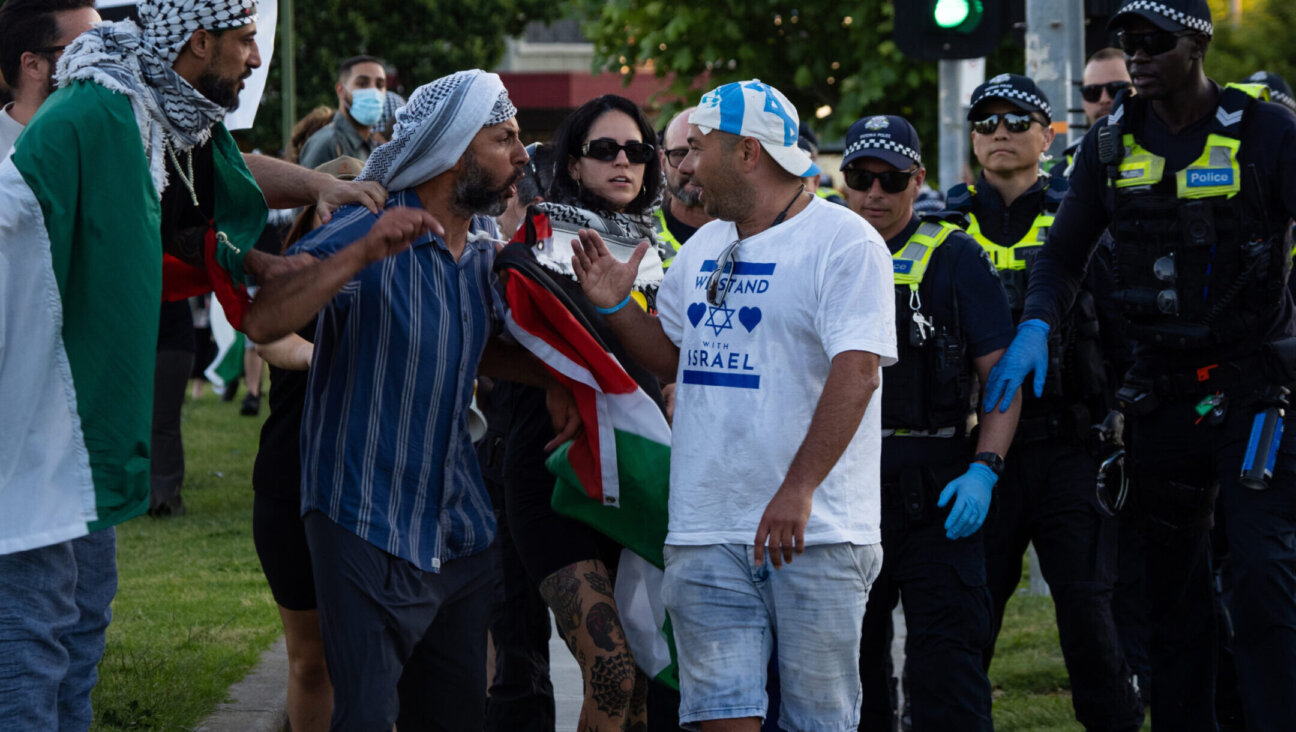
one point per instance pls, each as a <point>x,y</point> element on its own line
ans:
<point>606,176</point>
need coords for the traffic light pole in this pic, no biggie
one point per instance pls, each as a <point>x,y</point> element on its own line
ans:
<point>953,135</point>
<point>1049,47</point>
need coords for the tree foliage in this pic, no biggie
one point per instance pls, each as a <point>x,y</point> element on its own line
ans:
<point>817,52</point>
<point>1260,41</point>
<point>421,39</point>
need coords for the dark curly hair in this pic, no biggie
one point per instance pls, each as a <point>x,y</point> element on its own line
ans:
<point>571,135</point>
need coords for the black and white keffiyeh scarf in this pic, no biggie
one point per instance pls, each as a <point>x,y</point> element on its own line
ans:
<point>124,59</point>
<point>622,233</point>
<point>434,128</point>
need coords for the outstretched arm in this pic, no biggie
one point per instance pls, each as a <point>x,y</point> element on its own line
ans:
<point>607,283</point>
<point>286,185</point>
<point>295,288</point>
<point>852,379</point>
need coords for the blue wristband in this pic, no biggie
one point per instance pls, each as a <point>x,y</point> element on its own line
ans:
<point>614,308</point>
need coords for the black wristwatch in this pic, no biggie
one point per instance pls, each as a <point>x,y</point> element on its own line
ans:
<point>992,461</point>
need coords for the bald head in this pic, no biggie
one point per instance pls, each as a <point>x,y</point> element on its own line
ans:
<point>674,148</point>
<point>677,131</point>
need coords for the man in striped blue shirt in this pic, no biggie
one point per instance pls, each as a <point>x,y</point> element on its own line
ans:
<point>397,516</point>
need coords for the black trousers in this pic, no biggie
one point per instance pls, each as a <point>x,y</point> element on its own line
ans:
<point>1047,497</point>
<point>948,620</point>
<point>521,693</point>
<point>403,646</point>
<point>1181,466</point>
<point>167,464</point>
<point>946,601</point>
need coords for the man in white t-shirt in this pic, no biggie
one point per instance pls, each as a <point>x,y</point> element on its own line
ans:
<point>774,322</point>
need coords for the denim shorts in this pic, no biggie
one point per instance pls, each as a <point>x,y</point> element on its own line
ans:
<point>727,614</point>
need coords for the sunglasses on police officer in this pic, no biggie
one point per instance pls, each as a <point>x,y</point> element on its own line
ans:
<point>1092,93</point>
<point>1154,43</point>
<point>606,149</point>
<point>893,181</point>
<point>1014,122</point>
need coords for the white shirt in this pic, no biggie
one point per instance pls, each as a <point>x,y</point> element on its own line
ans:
<point>9,131</point>
<point>751,373</point>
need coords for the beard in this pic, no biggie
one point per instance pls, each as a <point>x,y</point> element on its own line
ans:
<point>219,91</point>
<point>682,193</point>
<point>729,199</point>
<point>477,194</point>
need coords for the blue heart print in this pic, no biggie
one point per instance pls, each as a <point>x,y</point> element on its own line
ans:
<point>695,312</point>
<point>749,317</point>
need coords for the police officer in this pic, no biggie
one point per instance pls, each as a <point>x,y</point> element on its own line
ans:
<point>820,184</point>
<point>680,214</point>
<point>953,322</point>
<point>1279,90</point>
<point>1048,493</point>
<point>1104,77</point>
<point>1198,187</point>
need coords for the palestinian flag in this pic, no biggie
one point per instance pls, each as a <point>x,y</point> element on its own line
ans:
<point>80,292</point>
<point>227,366</point>
<point>615,475</point>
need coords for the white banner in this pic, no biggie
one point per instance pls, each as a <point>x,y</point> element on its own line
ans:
<point>253,86</point>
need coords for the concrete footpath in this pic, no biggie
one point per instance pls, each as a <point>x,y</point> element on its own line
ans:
<point>259,702</point>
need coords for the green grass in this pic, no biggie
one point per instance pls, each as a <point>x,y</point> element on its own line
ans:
<point>1028,679</point>
<point>193,611</point>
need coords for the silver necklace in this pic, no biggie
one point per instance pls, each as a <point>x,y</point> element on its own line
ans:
<point>188,181</point>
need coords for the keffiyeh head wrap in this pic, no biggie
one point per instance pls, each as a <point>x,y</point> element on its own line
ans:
<point>435,127</point>
<point>168,24</point>
<point>124,59</point>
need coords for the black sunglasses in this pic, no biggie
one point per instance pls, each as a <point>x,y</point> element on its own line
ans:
<point>49,50</point>
<point>1154,43</point>
<point>606,149</point>
<point>1093,92</point>
<point>676,156</point>
<point>726,264</point>
<point>893,181</point>
<point>1014,122</point>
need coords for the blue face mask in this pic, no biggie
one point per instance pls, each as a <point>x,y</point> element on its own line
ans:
<point>367,106</point>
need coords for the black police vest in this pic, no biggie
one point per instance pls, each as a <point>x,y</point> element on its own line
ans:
<point>1193,266</point>
<point>1076,370</point>
<point>929,390</point>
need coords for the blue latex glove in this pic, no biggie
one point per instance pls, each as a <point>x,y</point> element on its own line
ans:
<point>1028,352</point>
<point>973,490</point>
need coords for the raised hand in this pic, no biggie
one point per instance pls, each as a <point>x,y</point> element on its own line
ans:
<point>605,280</point>
<point>396,229</point>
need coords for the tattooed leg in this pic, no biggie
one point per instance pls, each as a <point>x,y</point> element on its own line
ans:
<point>580,596</point>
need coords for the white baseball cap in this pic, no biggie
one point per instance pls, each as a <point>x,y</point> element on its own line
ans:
<point>756,109</point>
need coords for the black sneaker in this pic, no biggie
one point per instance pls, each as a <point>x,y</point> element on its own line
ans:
<point>171,508</point>
<point>231,390</point>
<point>251,405</point>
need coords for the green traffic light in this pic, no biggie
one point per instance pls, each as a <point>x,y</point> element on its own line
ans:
<point>961,16</point>
<point>950,13</point>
